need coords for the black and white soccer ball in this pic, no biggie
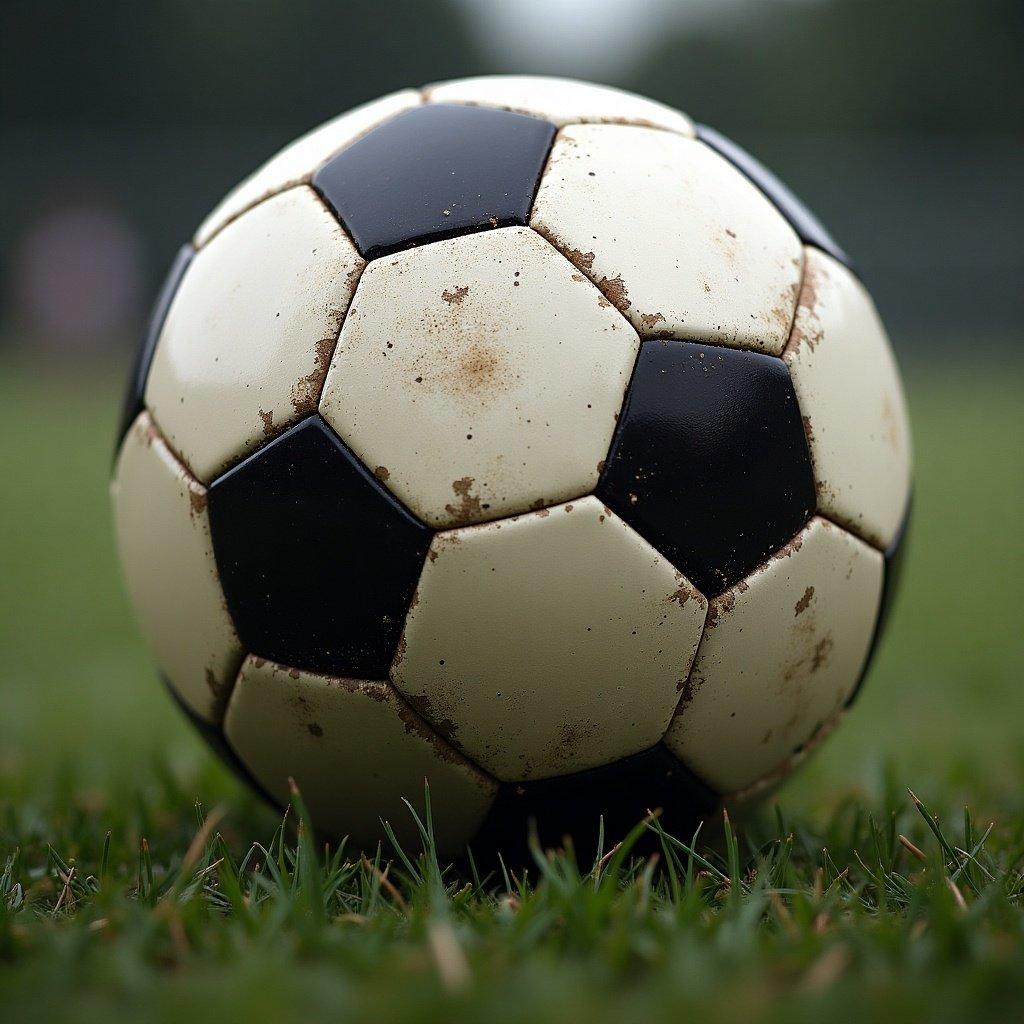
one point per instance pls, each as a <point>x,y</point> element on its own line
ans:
<point>519,435</point>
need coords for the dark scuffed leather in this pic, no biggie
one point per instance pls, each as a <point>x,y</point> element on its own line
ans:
<point>317,560</point>
<point>573,806</point>
<point>709,462</point>
<point>433,172</point>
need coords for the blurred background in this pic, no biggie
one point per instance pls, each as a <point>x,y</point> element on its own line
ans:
<point>898,121</point>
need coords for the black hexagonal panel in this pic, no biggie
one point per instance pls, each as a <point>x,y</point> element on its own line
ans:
<point>136,389</point>
<point>318,562</point>
<point>436,171</point>
<point>804,223</point>
<point>573,805</point>
<point>709,461</point>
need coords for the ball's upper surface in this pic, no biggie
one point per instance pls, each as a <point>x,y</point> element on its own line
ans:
<point>520,436</point>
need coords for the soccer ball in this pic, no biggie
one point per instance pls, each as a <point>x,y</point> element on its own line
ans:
<point>520,436</point>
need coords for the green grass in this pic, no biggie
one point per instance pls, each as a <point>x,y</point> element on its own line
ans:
<point>816,909</point>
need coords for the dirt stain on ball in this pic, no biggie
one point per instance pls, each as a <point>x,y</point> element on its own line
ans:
<point>468,506</point>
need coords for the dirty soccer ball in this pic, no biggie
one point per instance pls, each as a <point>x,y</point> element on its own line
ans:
<point>522,436</point>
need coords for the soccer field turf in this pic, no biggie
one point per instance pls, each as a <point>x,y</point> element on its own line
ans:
<point>770,928</point>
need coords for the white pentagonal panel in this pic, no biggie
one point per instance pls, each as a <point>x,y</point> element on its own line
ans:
<point>561,101</point>
<point>163,538</point>
<point>479,377</point>
<point>549,643</point>
<point>763,787</point>
<point>250,333</point>
<point>355,750</point>
<point>673,235</point>
<point>852,402</point>
<point>780,656</point>
<point>297,162</point>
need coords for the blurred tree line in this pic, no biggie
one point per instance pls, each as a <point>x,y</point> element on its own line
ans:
<point>158,107</point>
<point>220,62</point>
<point>852,66</point>
<point>839,65</point>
